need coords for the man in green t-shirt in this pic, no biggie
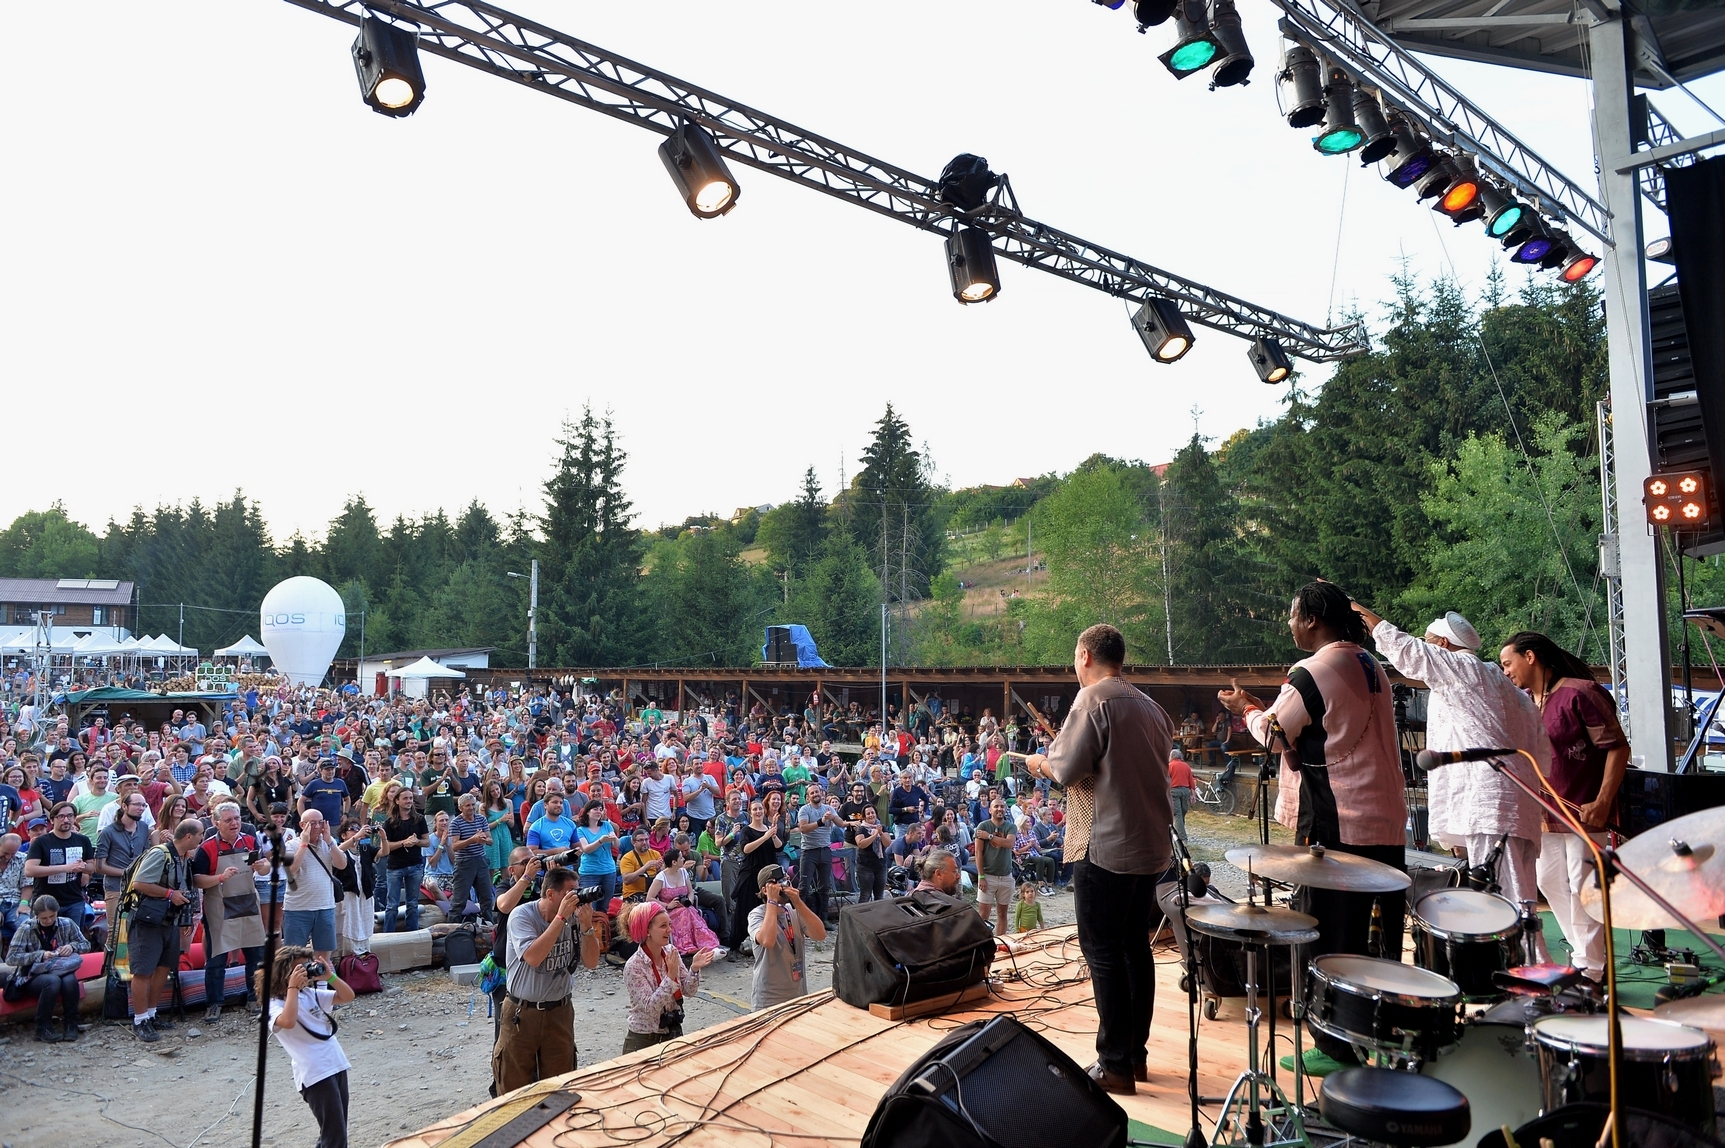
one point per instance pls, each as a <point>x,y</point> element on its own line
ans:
<point>993,846</point>
<point>90,804</point>
<point>796,776</point>
<point>438,783</point>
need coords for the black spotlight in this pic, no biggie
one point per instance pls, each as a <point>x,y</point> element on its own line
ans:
<point>386,60</point>
<point>970,261</point>
<point>1163,329</point>
<point>1235,66</point>
<point>1412,157</point>
<point>1341,134</point>
<point>1151,13</point>
<point>1437,177</point>
<point>1270,361</point>
<point>1562,247</point>
<point>1380,141</point>
<point>699,171</point>
<point>1196,47</point>
<point>1300,85</point>
<point>965,182</point>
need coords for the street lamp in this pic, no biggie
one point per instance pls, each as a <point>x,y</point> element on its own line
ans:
<point>532,613</point>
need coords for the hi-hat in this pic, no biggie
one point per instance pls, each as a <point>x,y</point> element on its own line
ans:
<point>1258,923</point>
<point>1684,863</point>
<point>1319,868</point>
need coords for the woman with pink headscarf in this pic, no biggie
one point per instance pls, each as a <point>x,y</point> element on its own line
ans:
<point>657,980</point>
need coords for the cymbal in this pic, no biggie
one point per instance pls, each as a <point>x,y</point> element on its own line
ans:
<point>1684,862</point>
<point>1275,923</point>
<point>1319,868</point>
<point>1706,1013</point>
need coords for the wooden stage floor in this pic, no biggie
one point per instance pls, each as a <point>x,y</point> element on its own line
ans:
<point>810,1073</point>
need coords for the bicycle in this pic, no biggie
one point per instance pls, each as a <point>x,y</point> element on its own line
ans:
<point>1214,798</point>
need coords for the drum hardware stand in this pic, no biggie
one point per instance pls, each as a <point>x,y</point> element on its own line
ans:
<point>1287,1125</point>
<point>1195,1136</point>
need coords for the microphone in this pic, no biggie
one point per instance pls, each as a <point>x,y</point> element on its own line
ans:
<point>1429,759</point>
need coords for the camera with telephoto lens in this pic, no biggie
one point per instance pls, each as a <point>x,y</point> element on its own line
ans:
<point>589,895</point>
<point>316,970</point>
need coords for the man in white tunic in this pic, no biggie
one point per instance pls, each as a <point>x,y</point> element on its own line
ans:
<point>1472,703</point>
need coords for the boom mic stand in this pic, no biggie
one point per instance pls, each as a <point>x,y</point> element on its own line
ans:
<point>1183,868</point>
<point>275,836</point>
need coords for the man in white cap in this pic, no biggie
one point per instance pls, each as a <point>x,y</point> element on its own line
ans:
<point>1472,703</point>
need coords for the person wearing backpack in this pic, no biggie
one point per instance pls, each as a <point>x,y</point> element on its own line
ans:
<point>157,887</point>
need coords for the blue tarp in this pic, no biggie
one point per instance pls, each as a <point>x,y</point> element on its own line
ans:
<point>808,658</point>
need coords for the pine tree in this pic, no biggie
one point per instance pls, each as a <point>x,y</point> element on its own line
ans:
<point>591,561</point>
<point>896,511</point>
<point>839,601</point>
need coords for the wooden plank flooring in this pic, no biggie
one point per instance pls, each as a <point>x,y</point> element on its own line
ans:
<point>816,1068</point>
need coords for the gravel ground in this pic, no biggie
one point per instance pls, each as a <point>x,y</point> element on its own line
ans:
<point>420,1050</point>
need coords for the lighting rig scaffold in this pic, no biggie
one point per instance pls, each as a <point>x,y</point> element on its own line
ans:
<point>704,125</point>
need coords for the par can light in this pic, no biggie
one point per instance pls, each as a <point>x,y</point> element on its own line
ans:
<point>1437,179</point>
<point>1576,267</point>
<point>1196,47</point>
<point>1460,199</point>
<point>1152,13</point>
<point>1270,361</point>
<point>1300,87</point>
<point>1502,213</point>
<point>1341,134</point>
<point>386,60</point>
<point>970,262</point>
<point>1163,329</point>
<point>1235,66</point>
<point>1534,240</point>
<point>699,171</point>
<point>1412,157</point>
<point>1380,141</point>
<point>1562,247</point>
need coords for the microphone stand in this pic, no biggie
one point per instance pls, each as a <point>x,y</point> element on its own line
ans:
<point>275,836</point>
<point>1195,1136</point>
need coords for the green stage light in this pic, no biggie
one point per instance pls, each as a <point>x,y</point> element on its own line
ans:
<point>1341,134</point>
<point>1196,47</point>
<point>1501,212</point>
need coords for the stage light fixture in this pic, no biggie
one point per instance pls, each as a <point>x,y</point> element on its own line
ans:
<point>1300,87</point>
<point>1437,178</point>
<point>1111,4</point>
<point>970,262</point>
<point>386,60</point>
<point>1577,266</point>
<point>1534,246</point>
<point>1153,13</point>
<point>1412,157</point>
<point>1460,198</point>
<point>1163,329</point>
<point>1380,140</point>
<point>1196,47</point>
<point>1502,213</point>
<point>1341,134</point>
<point>1236,64</point>
<point>699,171</point>
<point>1676,499</point>
<point>1562,247</point>
<point>1270,361</point>
<point>1660,251</point>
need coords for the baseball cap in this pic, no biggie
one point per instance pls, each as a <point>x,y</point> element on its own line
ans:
<point>769,874</point>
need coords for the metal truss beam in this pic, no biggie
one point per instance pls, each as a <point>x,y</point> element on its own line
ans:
<point>1341,33</point>
<point>489,39</point>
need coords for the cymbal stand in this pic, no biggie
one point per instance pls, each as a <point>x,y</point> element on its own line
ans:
<point>1195,1136</point>
<point>1287,1126</point>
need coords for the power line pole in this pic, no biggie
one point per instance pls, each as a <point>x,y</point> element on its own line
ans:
<point>1167,590</point>
<point>533,617</point>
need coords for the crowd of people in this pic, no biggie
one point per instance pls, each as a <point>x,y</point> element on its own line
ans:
<point>520,809</point>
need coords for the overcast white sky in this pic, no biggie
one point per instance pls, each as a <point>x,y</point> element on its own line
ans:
<point>221,269</point>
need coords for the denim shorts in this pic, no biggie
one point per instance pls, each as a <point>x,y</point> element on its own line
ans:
<point>264,892</point>
<point>314,927</point>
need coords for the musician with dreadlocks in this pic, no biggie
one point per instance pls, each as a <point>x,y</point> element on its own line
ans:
<point>1341,785</point>
<point>1589,755</point>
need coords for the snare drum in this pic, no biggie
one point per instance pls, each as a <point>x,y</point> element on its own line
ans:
<point>1383,1006</point>
<point>1466,936</point>
<point>1666,1068</point>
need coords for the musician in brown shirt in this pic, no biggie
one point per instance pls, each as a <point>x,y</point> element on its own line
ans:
<point>1110,756</point>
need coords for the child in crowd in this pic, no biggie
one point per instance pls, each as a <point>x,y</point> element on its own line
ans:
<point>1027,914</point>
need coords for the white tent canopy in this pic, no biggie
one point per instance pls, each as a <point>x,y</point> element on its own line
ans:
<point>425,668</point>
<point>99,645</point>
<point>166,646</point>
<point>246,647</point>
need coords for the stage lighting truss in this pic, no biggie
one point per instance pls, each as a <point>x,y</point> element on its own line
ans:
<point>480,35</point>
<point>1163,329</point>
<point>1195,45</point>
<point>386,60</point>
<point>970,260</point>
<point>1270,361</point>
<point>699,171</point>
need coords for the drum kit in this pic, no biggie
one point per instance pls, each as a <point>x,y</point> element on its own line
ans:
<point>1515,1039</point>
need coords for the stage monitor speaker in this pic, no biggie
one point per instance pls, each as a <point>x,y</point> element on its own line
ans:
<point>995,1084</point>
<point>906,949</point>
<point>1695,197</point>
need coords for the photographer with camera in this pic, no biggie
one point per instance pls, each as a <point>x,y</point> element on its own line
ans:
<point>312,862</point>
<point>161,885</point>
<point>781,927</point>
<point>538,1023</point>
<point>657,979</point>
<point>302,1021</point>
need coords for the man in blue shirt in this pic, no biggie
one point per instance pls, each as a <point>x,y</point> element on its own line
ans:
<point>699,791</point>
<point>324,793</point>
<point>554,832</point>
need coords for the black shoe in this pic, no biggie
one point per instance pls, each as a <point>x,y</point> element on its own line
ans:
<point>70,1032</point>
<point>212,1014</point>
<point>145,1032</point>
<point>161,1024</point>
<point>47,1035</point>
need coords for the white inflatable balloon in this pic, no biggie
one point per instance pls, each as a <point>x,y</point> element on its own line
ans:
<point>304,621</point>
